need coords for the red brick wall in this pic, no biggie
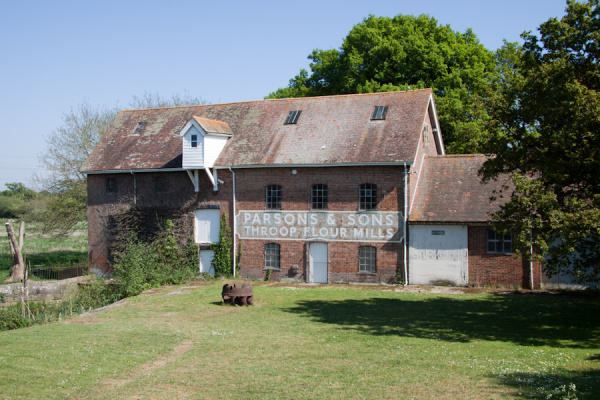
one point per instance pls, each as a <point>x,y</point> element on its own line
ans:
<point>497,269</point>
<point>180,201</point>
<point>343,190</point>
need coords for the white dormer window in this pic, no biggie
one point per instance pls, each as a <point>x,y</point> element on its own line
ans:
<point>203,141</point>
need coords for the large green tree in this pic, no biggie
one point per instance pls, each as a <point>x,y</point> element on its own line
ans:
<point>547,120</point>
<point>407,52</point>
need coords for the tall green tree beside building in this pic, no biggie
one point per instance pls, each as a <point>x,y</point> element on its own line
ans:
<point>546,117</point>
<point>407,52</point>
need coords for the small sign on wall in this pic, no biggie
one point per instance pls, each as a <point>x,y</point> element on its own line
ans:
<point>438,233</point>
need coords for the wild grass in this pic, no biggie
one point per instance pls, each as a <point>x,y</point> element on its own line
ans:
<point>43,249</point>
<point>310,342</point>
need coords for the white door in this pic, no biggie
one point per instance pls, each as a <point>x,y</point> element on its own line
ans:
<point>206,258</point>
<point>438,253</point>
<point>207,226</point>
<point>318,263</point>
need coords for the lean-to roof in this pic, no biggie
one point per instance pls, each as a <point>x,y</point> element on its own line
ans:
<point>449,190</point>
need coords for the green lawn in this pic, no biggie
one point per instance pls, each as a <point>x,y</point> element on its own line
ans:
<point>308,342</point>
<point>45,250</point>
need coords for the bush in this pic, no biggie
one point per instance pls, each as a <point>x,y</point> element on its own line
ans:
<point>98,293</point>
<point>223,261</point>
<point>10,319</point>
<point>143,265</point>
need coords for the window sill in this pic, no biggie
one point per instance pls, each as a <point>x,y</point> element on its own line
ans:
<point>366,273</point>
<point>271,269</point>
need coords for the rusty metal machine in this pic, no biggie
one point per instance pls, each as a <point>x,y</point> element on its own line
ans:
<point>238,295</point>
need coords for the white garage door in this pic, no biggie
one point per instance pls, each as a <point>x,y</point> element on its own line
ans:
<point>438,253</point>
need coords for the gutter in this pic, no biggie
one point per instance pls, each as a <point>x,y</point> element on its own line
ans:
<point>405,224</point>
<point>134,188</point>
<point>234,224</point>
<point>368,164</point>
<point>531,261</point>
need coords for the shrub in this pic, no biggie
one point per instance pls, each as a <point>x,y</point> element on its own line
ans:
<point>223,261</point>
<point>10,319</point>
<point>97,293</point>
<point>142,265</point>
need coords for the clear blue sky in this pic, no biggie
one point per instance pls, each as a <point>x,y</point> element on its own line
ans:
<point>57,54</point>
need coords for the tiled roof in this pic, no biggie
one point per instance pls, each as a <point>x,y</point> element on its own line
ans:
<point>330,130</point>
<point>211,126</point>
<point>450,190</point>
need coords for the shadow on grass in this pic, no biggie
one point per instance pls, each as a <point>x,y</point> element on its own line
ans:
<point>524,320</point>
<point>539,386</point>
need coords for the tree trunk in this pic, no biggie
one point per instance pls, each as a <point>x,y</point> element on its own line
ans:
<point>18,264</point>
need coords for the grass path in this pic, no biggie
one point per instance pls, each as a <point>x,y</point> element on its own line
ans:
<point>310,342</point>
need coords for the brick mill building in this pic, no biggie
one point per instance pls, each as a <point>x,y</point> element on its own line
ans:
<point>323,189</point>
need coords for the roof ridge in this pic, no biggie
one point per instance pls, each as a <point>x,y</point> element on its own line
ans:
<point>458,155</point>
<point>282,99</point>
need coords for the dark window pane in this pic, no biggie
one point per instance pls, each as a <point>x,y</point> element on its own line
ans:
<point>111,185</point>
<point>367,259</point>
<point>379,112</point>
<point>319,197</point>
<point>273,197</point>
<point>368,196</point>
<point>272,256</point>
<point>292,117</point>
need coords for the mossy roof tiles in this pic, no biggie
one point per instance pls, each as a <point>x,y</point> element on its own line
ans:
<point>332,130</point>
<point>450,190</point>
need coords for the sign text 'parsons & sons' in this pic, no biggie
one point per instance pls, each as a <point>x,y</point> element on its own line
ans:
<point>347,226</point>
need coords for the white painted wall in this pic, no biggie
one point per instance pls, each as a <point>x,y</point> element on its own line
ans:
<point>213,146</point>
<point>207,226</point>
<point>438,253</point>
<point>193,157</point>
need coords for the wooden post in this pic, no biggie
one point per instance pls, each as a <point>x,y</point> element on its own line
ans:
<point>18,264</point>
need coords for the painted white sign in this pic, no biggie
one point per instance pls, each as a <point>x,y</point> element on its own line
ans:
<point>371,226</point>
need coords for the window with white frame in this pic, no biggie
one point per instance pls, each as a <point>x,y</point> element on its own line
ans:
<point>498,242</point>
<point>272,256</point>
<point>367,259</point>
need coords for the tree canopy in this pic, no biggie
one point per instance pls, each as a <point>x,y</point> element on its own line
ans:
<point>546,117</point>
<point>407,52</point>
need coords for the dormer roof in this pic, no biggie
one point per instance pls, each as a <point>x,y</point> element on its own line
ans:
<point>212,126</point>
